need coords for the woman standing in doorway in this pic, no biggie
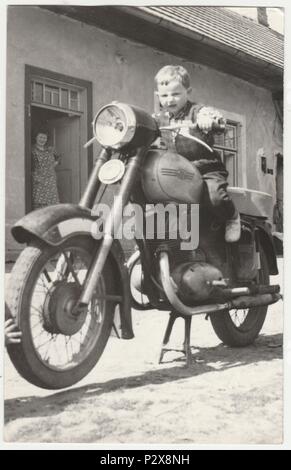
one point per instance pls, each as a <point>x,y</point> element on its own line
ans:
<point>44,178</point>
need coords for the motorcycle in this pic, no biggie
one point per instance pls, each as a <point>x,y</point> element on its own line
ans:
<point>67,283</point>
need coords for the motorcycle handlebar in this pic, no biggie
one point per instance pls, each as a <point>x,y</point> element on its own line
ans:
<point>216,126</point>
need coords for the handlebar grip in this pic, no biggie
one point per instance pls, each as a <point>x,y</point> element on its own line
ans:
<point>219,125</point>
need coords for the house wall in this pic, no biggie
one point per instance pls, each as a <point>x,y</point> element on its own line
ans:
<point>123,70</point>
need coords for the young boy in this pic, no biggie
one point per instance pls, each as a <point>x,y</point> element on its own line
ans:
<point>173,89</point>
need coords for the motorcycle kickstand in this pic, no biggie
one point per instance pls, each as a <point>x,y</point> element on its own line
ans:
<point>186,345</point>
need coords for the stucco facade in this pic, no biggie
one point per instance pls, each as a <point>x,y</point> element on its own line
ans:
<point>124,70</point>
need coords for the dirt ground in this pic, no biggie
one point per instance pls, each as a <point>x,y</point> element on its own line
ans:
<point>227,396</point>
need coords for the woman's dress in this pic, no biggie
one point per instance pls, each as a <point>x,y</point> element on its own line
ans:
<point>44,178</point>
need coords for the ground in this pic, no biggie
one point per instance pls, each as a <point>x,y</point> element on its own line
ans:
<point>227,396</point>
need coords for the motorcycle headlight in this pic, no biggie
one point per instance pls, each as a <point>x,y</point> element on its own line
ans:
<point>114,126</point>
<point>119,125</point>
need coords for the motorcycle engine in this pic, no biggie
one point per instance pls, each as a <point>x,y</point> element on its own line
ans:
<point>193,281</point>
<point>192,271</point>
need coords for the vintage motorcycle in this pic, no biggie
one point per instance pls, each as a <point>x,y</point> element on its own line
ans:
<point>67,284</point>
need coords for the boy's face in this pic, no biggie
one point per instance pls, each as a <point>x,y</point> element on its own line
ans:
<point>173,96</point>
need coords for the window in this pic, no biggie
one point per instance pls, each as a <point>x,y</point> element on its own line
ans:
<point>74,100</point>
<point>52,95</point>
<point>227,146</point>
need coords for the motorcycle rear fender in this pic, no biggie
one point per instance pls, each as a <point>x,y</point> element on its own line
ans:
<point>267,242</point>
<point>54,224</point>
<point>265,238</point>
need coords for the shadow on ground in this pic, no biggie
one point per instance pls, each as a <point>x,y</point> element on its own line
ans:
<point>205,360</point>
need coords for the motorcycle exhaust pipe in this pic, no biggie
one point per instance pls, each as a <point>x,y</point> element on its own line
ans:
<point>249,301</point>
<point>247,291</point>
<point>244,301</point>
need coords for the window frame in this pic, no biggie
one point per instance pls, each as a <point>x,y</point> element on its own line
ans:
<point>222,149</point>
<point>241,164</point>
<point>48,85</point>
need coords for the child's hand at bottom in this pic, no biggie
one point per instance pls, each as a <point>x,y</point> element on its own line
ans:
<point>12,334</point>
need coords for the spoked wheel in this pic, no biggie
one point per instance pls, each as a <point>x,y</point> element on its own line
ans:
<point>58,347</point>
<point>240,327</point>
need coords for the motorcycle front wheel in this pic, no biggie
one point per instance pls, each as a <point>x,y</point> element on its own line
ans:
<point>240,327</point>
<point>58,348</point>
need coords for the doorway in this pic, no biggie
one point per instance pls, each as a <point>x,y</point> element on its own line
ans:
<point>63,105</point>
<point>64,137</point>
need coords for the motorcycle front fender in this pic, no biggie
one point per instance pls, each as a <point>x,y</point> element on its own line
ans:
<point>54,224</point>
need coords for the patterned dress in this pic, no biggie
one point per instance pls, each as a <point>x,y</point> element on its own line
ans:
<point>44,178</point>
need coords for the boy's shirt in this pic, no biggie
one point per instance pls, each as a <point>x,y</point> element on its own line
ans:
<point>205,160</point>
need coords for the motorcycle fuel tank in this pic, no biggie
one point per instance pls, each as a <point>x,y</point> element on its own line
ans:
<point>169,177</point>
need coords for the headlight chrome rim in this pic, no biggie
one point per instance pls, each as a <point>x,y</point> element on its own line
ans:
<point>130,124</point>
<point>111,171</point>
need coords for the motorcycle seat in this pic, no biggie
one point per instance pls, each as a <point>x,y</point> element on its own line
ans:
<point>252,202</point>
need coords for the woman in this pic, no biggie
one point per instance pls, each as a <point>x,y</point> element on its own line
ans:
<point>44,178</point>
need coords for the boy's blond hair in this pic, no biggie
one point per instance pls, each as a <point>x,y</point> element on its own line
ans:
<point>169,73</point>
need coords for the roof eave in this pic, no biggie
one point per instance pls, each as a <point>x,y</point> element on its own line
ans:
<point>137,25</point>
<point>197,37</point>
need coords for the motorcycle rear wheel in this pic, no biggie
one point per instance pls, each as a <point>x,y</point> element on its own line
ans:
<point>239,328</point>
<point>57,350</point>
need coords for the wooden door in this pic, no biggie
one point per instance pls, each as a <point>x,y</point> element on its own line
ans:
<point>65,132</point>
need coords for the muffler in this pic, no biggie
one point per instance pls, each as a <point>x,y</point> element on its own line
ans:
<point>249,301</point>
<point>229,293</point>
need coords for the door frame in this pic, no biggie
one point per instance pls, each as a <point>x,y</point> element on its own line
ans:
<point>31,71</point>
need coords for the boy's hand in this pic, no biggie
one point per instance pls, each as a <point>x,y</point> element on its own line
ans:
<point>12,334</point>
<point>208,117</point>
<point>204,122</point>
